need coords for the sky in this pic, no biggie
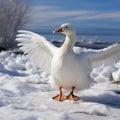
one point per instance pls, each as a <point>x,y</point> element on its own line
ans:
<point>85,15</point>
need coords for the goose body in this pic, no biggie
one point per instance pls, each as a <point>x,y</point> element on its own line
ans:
<point>68,69</point>
<point>69,66</point>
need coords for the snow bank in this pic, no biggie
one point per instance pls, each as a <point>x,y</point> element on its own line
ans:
<point>25,93</point>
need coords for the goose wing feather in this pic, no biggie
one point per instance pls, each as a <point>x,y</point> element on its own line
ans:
<point>38,49</point>
<point>104,56</point>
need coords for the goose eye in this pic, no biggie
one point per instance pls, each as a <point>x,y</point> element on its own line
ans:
<point>66,27</point>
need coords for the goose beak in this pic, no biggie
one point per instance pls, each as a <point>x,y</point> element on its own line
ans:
<point>58,30</point>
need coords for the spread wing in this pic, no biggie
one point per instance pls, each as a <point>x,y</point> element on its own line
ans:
<point>38,49</point>
<point>105,56</point>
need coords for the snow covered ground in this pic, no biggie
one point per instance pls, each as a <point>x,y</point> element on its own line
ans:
<point>25,93</point>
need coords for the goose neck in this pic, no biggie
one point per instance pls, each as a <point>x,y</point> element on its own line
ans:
<point>69,41</point>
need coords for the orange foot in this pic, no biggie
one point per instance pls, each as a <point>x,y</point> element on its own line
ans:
<point>60,97</point>
<point>73,97</point>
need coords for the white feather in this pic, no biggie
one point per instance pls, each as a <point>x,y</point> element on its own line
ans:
<point>38,49</point>
<point>104,56</point>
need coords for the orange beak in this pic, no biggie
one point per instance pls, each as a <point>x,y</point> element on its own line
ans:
<point>58,30</point>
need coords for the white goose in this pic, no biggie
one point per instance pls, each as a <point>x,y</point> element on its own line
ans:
<point>69,66</point>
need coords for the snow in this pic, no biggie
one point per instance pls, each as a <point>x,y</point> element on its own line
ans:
<point>25,93</point>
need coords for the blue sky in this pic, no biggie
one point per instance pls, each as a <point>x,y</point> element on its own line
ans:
<point>83,14</point>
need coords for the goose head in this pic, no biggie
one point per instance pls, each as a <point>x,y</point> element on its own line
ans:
<point>66,29</point>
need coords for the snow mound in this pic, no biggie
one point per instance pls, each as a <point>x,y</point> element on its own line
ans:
<point>25,93</point>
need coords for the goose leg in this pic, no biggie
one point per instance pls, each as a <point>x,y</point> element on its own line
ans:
<point>60,96</point>
<point>71,96</point>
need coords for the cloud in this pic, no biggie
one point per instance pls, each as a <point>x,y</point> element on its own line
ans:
<point>45,16</point>
<point>95,16</point>
<point>47,12</point>
<point>50,14</point>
